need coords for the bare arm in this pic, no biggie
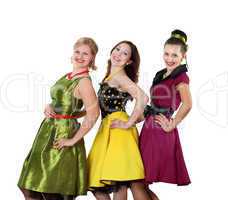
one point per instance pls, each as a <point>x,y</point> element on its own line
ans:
<point>137,93</point>
<point>186,104</point>
<point>184,109</point>
<point>90,102</point>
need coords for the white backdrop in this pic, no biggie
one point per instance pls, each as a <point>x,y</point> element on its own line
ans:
<point>36,40</point>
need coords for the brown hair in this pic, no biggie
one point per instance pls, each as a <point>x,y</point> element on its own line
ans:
<point>93,47</point>
<point>131,69</point>
<point>178,37</point>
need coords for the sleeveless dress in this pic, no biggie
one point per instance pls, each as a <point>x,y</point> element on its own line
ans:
<point>48,170</point>
<point>114,158</point>
<point>161,152</point>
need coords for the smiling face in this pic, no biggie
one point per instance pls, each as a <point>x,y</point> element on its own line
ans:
<point>121,55</point>
<point>172,56</point>
<point>82,56</point>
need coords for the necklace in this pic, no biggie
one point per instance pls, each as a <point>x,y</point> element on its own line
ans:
<point>70,76</point>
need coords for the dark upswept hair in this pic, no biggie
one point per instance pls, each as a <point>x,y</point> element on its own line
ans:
<point>178,37</point>
<point>132,69</point>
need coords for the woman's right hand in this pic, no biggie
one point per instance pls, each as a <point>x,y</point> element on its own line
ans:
<point>49,111</point>
<point>119,124</point>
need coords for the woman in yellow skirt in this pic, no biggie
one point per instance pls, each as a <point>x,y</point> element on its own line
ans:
<point>114,162</point>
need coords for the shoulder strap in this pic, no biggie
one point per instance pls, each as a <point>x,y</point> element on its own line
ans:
<point>113,74</point>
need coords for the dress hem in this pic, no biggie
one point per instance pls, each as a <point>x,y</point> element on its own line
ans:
<point>168,182</point>
<point>50,192</point>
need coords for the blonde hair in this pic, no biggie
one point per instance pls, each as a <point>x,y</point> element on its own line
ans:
<point>93,47</point>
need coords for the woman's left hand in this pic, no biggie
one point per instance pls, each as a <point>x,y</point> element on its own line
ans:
<point>119,124</point>
<point>166,124</point>
<point>61,143</point>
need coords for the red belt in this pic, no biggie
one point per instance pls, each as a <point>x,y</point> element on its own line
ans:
<point>59,116</point>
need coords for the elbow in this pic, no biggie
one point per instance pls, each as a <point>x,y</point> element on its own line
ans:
<point>93,115</point>
<point>142,100</point>
<point>188,107</point>
<point>146,99</point>
<point>96,114</point>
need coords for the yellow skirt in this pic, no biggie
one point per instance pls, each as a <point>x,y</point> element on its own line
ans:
<point>114,156</point>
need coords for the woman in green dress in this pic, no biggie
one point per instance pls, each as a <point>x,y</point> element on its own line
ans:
<point>55,168</point>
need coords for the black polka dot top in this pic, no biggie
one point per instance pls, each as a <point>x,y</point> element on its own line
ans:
<point>111,99</point>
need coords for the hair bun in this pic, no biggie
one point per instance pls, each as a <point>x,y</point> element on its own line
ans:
<point>179,35</point>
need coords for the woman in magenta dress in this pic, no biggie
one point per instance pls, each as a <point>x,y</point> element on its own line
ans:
<point>159,140</point>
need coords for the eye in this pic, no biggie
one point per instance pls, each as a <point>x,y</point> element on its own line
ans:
<point>117,49</point>
<point>175,55</point>
<point>77,52</point>
<point>125,53</point>
<point>85,53</point>
<point>166,54</point>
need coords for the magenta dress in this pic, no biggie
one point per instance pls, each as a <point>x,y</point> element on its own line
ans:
<point>161,152</point>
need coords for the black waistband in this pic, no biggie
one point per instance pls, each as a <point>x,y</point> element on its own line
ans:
<point>155,110</point>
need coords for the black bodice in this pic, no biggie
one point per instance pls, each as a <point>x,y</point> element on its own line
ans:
<point>111,99</point>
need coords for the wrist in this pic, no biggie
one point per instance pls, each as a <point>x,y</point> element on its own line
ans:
<point>73,141</point>
<point>128,124</point>
<point>174,122</point>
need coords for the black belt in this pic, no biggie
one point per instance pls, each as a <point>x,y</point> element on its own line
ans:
<point>155,110</point>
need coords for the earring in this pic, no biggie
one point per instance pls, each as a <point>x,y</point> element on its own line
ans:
<point>184,61</point>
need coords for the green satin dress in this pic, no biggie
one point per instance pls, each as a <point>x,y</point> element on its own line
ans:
<point>48,170</point>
